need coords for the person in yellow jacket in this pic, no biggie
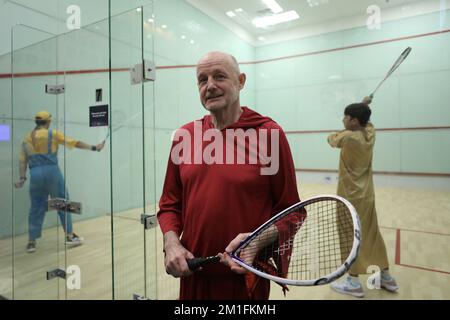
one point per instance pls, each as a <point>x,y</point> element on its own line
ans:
<point>39,153</point>
<point>356,184</point>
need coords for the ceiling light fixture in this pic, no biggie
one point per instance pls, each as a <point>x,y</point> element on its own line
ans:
<point>231,14</point>
<point>315,3</point>
<point>273,6</point>
<point>275,19</point>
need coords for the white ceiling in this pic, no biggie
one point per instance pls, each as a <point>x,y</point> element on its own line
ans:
<point>326,12</point>
<point>328,16</point>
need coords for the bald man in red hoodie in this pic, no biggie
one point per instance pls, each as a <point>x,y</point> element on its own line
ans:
<point>218,186</point>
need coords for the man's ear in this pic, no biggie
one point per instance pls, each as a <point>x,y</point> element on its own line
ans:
<point>355,122</point>
<point>242,80</point>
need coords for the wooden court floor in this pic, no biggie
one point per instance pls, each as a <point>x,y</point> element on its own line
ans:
<point>415,224</point>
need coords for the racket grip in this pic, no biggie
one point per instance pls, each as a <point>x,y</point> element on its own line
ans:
<point>196,263</point>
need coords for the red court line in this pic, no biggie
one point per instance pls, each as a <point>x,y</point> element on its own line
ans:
<point>379,129</point>
<point>427,232</point>
<point>421,268</point>
<point>417,231</point>
<point>397,247</point>
<point>98,71</point>
<point>398,254</point>
<point>391,228</point>
<point>420,174</point>
<point>3,76</point>
<point>317,170</point>
<point>350,47</point>
<point>178,67</point>
<point>60,73</point>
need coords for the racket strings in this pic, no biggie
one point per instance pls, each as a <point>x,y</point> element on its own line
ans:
<point>306,243</point>
<point>399,61</point>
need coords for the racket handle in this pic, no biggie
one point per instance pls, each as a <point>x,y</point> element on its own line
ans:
<point>196,263</point>
<point>368,100</point>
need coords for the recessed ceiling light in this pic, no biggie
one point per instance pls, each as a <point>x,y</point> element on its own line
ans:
<point>273,6</point>
<point>275,19</point>
<point>192,42</point>
<point>138,9</point>
<point>315,3</point>
<point>183,37</point>
<point>164,26</point>
<point>239,10</point>
<point>261,38</point>
<point>231,14</point>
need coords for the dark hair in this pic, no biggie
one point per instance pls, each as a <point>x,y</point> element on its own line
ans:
<point>360,111</point>
<point>41,123</point>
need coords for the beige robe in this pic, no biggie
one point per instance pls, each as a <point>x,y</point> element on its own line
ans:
<point>356,185</point>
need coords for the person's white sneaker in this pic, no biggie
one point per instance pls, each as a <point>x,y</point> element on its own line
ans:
<point>74,240</point>
<point>349,286</point>
<point>388,283</point>
<point>31,246</point>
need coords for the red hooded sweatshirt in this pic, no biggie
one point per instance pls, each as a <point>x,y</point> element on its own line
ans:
<point>210,204</point>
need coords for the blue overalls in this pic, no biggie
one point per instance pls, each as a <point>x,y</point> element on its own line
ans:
<point>46,179</point>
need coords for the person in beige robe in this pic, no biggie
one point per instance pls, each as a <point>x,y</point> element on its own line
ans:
<point>356,185</point>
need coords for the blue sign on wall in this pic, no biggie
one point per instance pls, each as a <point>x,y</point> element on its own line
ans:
<point>4,132</point>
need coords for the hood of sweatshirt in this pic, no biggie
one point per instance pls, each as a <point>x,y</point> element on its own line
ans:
<point>248,119</point>
<point>369,135</point>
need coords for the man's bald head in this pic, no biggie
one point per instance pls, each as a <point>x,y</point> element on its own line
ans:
<point>219,81</point>
<point>220,57</point>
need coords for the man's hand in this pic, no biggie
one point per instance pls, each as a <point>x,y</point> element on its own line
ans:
<point>367,100</point>
<point>100,146</point>
<point>176,256</point>
<point>248,254</point>
<point>19,184</point>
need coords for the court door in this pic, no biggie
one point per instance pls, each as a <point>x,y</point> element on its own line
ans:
<point>97,82</point>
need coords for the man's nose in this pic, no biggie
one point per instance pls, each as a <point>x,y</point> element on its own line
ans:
<point>211,85</point>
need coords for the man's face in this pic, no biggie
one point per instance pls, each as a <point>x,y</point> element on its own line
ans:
<point>218,82</point>
<point>346,122</point>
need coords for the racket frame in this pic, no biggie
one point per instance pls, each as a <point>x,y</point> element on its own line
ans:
<point>397,64</point>
<point>312,282</point>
